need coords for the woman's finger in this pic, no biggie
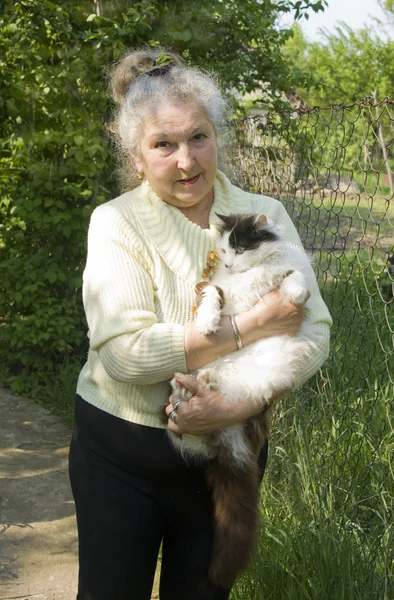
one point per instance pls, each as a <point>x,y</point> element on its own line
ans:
<point>173,427</point>
<point>172,421</point>
<point>170,407</point>
<point>189,382</point>
<point>173,424</point>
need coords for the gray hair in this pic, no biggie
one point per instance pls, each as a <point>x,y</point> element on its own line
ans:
<point>138,95</point>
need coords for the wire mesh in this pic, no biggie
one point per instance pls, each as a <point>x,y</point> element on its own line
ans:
<point>332,170</point>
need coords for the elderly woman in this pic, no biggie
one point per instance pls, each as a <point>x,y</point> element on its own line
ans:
<point>146,252</point>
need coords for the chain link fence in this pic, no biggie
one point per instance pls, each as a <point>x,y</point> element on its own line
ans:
<point>327,505</point>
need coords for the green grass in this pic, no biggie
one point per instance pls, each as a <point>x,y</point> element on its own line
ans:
<point>55,390</point>
<point>327,529</point>
<point>327,501</point>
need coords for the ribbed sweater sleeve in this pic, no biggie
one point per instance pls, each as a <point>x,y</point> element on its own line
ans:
<point>317,311</point>
<point>118,294</point>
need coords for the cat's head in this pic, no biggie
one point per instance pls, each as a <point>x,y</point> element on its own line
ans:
<point>246,241</point>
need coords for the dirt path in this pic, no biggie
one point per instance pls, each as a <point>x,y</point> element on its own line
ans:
<point>38,541</point>
<point>38,537</point>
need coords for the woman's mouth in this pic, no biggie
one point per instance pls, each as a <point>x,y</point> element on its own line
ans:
<point>189,180</point>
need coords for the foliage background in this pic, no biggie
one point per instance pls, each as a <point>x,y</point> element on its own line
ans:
<point>56,162</point>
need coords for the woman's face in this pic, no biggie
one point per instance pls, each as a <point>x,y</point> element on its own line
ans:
<point>178,154</point>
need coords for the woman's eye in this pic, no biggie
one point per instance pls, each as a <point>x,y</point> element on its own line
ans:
<point>240,250</point>
<point>162,144</point>
<point>199,136</point>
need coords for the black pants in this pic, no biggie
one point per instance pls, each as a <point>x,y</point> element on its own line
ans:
<point>132,491</point>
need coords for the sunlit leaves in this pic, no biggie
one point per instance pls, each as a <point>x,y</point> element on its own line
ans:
<point>55,160</point>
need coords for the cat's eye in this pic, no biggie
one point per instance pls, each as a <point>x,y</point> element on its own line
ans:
<point>240,250</point>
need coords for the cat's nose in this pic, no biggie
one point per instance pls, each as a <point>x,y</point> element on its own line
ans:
<point>227,266</point>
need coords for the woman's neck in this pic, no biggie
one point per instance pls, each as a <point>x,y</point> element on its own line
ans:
<point>199,213</point>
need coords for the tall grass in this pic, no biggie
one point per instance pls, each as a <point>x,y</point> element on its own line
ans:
<point>55,389</point>
<point>327,502</point>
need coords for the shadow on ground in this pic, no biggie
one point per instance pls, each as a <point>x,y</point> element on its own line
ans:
<point>38,540</point>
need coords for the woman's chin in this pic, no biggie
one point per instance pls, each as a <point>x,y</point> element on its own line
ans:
<point>191,198</point>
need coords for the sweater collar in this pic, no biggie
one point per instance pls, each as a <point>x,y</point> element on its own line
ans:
<point>183,245</point>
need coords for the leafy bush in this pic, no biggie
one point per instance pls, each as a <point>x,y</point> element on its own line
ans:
<point>56,168</point>
<point>55,160</point>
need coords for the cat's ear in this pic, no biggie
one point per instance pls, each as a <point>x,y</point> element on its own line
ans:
<point>260,223</point>
<point>222,217</point>
<point>225,223</point>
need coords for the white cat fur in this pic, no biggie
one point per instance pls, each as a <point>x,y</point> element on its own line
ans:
<point>259,370</point>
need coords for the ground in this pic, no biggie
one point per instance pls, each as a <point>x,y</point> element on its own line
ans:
<point>38,537</point>
<point>38,540</point>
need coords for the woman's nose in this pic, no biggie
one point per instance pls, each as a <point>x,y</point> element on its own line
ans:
<point>185,158</point>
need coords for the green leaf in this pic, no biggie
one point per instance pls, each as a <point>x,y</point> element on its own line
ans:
<point>79,155</point>
<point>78,140</point>
<point>163,59</point>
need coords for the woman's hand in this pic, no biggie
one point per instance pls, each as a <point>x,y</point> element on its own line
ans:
<point>207,410</point>
<point>278,316</point>
<point>269,317</point>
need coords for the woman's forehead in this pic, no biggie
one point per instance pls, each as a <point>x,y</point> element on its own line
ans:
<point>172,119</point>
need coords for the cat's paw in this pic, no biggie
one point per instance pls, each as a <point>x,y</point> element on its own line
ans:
<point>210,303</point>
<point>278,278</point>
<point>208,379</point>
<point>207,322</point>
<point>294,288</point>
<point>294,293</point>
<point>179,392</point>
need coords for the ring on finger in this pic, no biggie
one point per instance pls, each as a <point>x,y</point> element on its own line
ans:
<point>173,416</point>
<point>176,404</point>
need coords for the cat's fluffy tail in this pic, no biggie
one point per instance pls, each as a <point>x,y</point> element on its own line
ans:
<point>236,501</point>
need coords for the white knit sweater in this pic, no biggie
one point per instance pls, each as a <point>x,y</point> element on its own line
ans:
<point>144,259</point>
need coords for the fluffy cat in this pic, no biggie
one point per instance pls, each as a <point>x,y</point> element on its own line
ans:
<point>254,260</point>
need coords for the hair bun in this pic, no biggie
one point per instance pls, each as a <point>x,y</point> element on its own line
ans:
<point>130,67</point>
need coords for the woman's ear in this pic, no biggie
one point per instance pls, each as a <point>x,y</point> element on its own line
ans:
<point>137,161</point>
